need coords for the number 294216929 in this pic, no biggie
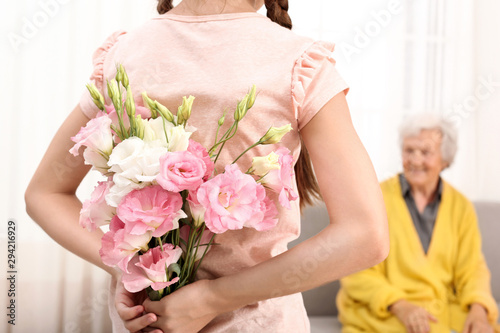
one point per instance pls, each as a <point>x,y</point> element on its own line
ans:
<point>11,247</point>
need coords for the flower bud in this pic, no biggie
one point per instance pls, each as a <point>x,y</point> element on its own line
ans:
<point>129,103</point>
<point>241,109</point>
<point>180,118</point>
<point>251,97</point>
<point>140,128</point>
<point>119,74</point>
<point>114,93</point>
<point>275,134</point>
<point>165,113</point>
<point>96,96</point>
<point>184,111</point>
<point>110,90</point>
<point>150,104</point>
<point>221,120</point>
<point>124,77</point>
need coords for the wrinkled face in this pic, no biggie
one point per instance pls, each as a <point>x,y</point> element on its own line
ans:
<point>422,159</point>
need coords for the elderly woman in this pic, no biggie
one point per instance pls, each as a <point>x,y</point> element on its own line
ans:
<point>435,278</point>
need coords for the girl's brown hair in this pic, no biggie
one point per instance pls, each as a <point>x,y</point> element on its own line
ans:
<point>277,11</point>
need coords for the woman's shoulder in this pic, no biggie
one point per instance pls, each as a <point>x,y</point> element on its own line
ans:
<point>391,192</point>
<point>391,186</point>
<point>456,197</point>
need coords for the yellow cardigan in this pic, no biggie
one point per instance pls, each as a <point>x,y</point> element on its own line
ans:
<point>445,281</point>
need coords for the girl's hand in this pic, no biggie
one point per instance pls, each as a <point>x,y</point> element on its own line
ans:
<point>187,310</point>
<point>130,310</point>
<point>477,320</point>
<point>414,318</point>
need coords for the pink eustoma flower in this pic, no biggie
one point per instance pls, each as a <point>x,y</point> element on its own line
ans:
<point>95,212</point>
<point>118,246</point>
<point>151,209</point>
<point>198,150</point>
<point>197,210</point>
<point>151,269</point>
<point>234,200</point>
<point>181,170</point>
<point>268,219</point>
<point>96,135</point>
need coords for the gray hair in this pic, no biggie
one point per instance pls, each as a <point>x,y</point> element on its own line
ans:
<point>414,124</point>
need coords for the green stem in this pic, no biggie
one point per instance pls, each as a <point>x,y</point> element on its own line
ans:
<point>204,253</point>
<point>133,128</point>
<point>232,135</point>
<point>217,157</point>
<point>243,153</point>
<point>222,139</point>
<point>176,237</point>
<point>198,238</point>
<point>120,120</point>
<point>189,247</point>
<point>216,134</point>
<point>119,112</point>
<point>164,129</point>
<point>118,132</point>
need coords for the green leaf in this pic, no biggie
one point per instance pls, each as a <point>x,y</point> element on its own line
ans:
<point>154,295</point>
<point>175,268</point>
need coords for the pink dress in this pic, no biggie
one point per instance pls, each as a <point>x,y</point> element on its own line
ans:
<point>217,59</point>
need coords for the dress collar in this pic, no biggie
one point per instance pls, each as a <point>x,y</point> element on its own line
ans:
<point>406,189</point>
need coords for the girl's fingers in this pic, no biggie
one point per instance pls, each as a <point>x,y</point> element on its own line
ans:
<point>128,313</point>
<point>138,324</point>
<point>151,330</point>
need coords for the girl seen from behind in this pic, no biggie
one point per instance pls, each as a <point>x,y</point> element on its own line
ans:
<point>215,50</point>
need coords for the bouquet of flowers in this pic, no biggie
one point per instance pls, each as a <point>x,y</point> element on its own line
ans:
<point>163,199</point>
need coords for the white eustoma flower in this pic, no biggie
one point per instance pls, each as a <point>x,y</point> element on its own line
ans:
<point>178,138</point>
<point>136,164</point>
<point>125,154</point>
<point>149,164</point>
<point>160,129</point>
<point>154,130</point>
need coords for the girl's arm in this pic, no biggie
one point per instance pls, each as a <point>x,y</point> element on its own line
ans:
<point>50,197</point>
<point>357,237</point>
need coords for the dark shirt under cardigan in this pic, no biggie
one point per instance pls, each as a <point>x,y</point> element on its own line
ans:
<point>424,222</point>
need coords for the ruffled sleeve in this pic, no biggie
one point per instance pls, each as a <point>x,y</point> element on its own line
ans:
<point>315,81</point>
<point>97,77</point>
